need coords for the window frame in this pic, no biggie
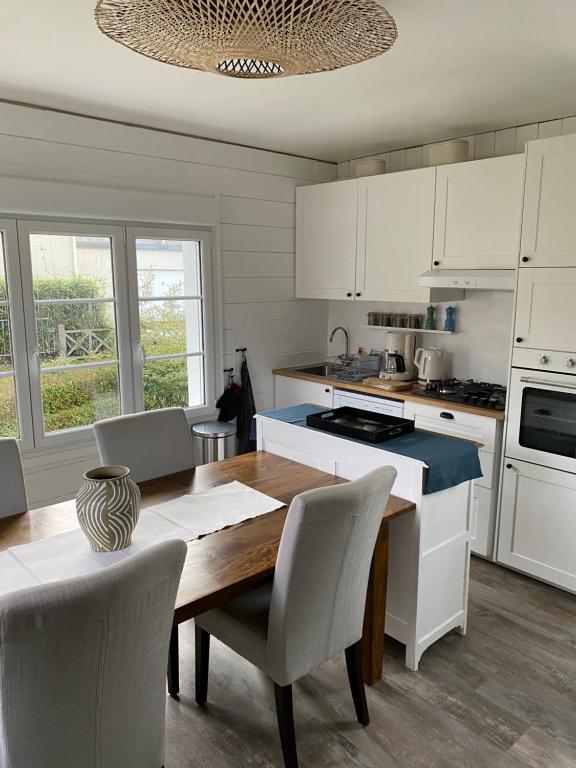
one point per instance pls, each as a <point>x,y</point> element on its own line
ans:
<point>115,232</point>
<point>9,230</point>
<point>207,298</point>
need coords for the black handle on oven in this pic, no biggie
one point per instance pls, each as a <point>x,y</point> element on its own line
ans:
<point>446,415</point>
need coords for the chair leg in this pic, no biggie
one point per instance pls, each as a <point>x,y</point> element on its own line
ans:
<point>173,663</point>
<point>202,662</point>
<point>354,666</point>
<point>285,714</point>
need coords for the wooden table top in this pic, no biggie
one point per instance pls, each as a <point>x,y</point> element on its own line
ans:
<point>221,565</point>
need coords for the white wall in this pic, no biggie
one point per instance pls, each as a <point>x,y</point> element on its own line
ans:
<point>507,141</point>
<point>256,195</point>
<point>479,351</point>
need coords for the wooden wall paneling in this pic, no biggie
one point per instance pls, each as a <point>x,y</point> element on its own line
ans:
<point>414,158</point>
<point>485,145</point>
<point>549,129</point>
<point>257,264</point>
<point>525,133</point>
<point>505,142</point>
<point>240,237</point>
<point>569,125</point>
<point>250,289</point>
<point>397,160</point>
<point>265,213</point>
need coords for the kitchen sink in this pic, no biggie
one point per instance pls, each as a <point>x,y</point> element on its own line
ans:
<point>342,373</point>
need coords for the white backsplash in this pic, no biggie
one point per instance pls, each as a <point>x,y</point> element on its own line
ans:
<point>480,350</point>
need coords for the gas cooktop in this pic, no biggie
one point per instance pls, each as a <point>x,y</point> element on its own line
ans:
<point>477,393</point>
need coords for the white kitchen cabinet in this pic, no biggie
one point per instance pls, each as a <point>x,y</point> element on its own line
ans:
<point>395,232</point>
<point>478,214</point>
<point>485,431</point>
<point>289,391</point>
<point>538,522</point>
<point>326,233</point>
<point>546,309</point>
<point>549,223</point>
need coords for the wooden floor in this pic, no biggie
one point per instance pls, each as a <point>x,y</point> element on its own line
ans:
<point>504,696</point>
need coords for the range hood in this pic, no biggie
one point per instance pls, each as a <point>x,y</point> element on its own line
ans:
<point>469,279</point>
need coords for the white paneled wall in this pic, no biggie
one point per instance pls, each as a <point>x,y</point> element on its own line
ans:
<point>507,141</point>
<point>256,194</point>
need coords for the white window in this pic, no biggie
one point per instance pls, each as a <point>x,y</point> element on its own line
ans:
<point>115,320</point>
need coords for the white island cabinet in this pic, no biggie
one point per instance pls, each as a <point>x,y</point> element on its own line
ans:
<point>429,549</point>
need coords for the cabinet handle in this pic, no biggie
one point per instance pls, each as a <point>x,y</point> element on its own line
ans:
<point>349,295</point>
<point>436,263</point>
<point>509,466</point>
<point>446,415</point>
<point>519,339</point>
<point>358,294</point>
<point>327,391</point>
<point>525,259</point>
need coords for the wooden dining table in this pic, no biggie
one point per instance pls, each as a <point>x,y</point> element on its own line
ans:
<point>225,564</point>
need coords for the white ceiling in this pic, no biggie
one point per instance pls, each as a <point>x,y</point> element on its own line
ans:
<point>459,67</point>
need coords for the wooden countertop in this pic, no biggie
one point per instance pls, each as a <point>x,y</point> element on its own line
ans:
<point>405,394</point>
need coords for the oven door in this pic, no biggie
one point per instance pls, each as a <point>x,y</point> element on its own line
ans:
<point>542,419</point>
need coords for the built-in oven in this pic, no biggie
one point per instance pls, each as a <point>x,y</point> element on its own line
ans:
<point>542,417</point>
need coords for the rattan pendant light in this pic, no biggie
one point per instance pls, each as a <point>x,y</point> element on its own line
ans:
<point>251,38</point>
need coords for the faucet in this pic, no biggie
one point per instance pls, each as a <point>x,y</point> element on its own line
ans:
<point>345,332</point>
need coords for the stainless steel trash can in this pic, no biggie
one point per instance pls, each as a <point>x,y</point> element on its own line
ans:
<point>215,440</point>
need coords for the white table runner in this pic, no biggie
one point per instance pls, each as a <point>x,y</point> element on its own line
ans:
<point>188,517</point>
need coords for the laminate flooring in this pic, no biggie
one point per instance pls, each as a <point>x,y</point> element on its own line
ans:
<point>504,696</point>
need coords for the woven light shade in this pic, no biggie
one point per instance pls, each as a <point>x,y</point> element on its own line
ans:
<point>251,38</point>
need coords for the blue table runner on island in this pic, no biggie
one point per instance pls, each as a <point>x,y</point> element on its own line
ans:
<point>450,461</point>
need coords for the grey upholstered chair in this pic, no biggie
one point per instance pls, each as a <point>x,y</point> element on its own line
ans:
<point>82,666</point>
<point>13,496</point>
<point>151,444</point>
<point>314,608</point>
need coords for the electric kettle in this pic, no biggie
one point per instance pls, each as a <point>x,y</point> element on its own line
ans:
<point>430,364</point>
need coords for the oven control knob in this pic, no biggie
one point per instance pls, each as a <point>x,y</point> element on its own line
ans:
<point>571,363</point>
<point>544,360</point>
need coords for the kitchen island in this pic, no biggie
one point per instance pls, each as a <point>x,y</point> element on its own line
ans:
<point>429,557</point>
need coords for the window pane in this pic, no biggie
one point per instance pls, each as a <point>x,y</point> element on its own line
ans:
<point>71,267</point>
<point>8,413</point>
<point>168,267</point>
<point>77,398</point>
<point>169,383</point>
<point>76,333</point>
<point>171,327</point>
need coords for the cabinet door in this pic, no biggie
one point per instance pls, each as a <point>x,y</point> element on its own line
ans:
<point>538,522</point>
<point>288,391</point>
<point>326,231</point>
<point>546,309</point>
<point>549,223</point>
<point>478,214</point>
<point>395,233</point>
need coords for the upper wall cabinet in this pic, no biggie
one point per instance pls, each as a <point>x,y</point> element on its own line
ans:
<point>478,214</point>
<point>326,231</point>
<point>549,222</point>
<point>545,317</point>
<point>395,232</point>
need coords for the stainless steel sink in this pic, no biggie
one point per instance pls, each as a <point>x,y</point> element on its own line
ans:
<point>345,373</point>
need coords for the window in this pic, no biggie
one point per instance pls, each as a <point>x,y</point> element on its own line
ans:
<point>114,319</point>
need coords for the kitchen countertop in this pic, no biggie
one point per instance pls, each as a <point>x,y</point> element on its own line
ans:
<point>405,394</point>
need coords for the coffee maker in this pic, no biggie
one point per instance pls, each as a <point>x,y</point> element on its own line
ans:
<point>397,359</point>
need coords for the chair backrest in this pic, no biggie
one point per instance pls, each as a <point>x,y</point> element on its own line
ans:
<point>83,666</point>
<point>12,490</point>
<point>150,444</point>
<point>322,570</point>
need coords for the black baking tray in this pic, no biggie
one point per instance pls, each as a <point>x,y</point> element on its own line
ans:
<point>362,425</point>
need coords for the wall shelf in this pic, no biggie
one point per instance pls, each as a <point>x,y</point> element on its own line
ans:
<point>407,330</point>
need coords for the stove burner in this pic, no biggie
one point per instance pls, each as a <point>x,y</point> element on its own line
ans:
<point>478,393</point>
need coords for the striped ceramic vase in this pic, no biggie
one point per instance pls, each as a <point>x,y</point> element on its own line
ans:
<point>108,506</point>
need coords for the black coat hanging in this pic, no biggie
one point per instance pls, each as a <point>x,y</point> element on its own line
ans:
<point>247,409</point>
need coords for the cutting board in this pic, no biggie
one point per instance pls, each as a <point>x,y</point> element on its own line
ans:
<point>388,384</point>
